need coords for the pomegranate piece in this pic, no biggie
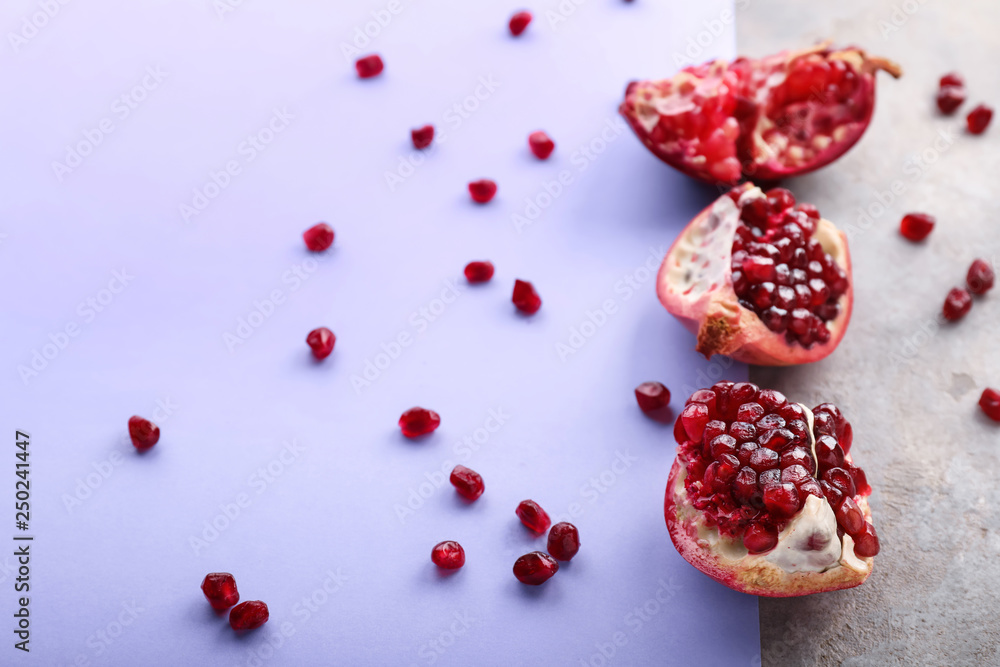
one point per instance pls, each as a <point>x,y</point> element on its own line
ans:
<point>957,304</point>
<point>541,145</point>
<point>767,118</point>
<point>533,516</point>
<point>479,272</point>
<point>525,297</point>
<point>248,615</point>
<point>518,22</point>
<point>652,396</point>
<point>416,422</point>
<point>422,136</point>
<point>319,237</point>
<point>321,342</point>
<point>916,226</point>
<point>144,433</point>
<point>564,541</point>
<point>369,66</point>
<point>220,589</point>
<point>760,278</point>
<point>467,482</point>
<point>980,277</point>
<point>482,191</point>
<point>979,118</point>
<point>771,518</point>
<point>949,98</point>
<point>535,568</point>
<point>990,403</point>
<point>951,79</point>
<point>448,555</point>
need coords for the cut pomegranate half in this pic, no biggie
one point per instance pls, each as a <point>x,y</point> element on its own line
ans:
<point>763,496</point>
<point>760,279</point>
<point>769,118</point>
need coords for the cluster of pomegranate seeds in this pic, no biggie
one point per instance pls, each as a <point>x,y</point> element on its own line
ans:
<point>541,145</point>
<point>535,568</point>
<point>479,272</point>
<point>916,226</point>
<point>957,304</point>
<point>990,403</point>
<point>533,516</point>
<point>319,237</point>
<point>780,272</point>
<point>321,342</point>
<point>467,482</point>
<point>519,22</point>
<point>564,541</point>
<point>369,66</point>
<point>482,191</point>
<point>220,589</point>
<point>144,433</point>
<point>416,422</point>
<point>750,464</point>
<point>652,396</point>
<point>422,136</point>
<point>979,119</point>
<point>448,555</point>
<point>248,615</point>
<point>525,297</point>
<point>951,93</point>
<point>980,277</point>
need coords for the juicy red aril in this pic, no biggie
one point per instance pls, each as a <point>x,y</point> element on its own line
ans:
<point>782,500</point>
<point>369,66</point>
<point>321,341</point>
<point>422,136</point>
<point>841,479</point>
<point>525,297</point>
<point>479,272</point>
<point>248,615</point>
<point>694,417</point>
<point>533,516</point>
<point>979,118</point>
<point>916,226</point>
<point>990,403</point>
<point>482,191</point>
<point>957,304</point>
<point>866,542</point>
<point>144,433</point>
<point>535,568</point>
<point>541,145</point>
<point>759,538</point>
<point>467,482</point>
<point>448,555</point>
<point>564,541</point>
<point>980,277</point>
<point>319,237</point>
<point>949,98</point>
<point>849,516</point>
<point>951,79</point>
<point>416,422</point>
<point>220,589</point>
<point>652,396</point>
<point>518,22</point>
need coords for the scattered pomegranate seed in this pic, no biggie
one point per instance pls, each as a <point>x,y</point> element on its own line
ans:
<point>483,190</point>
<point>143,432</point>
<point>448,555</point>
<point>916,226</point>
<point>467,482</point>
<point>979,118</point>
<point>321,341</point>
<point>248,615</point>
<point>949,98</point>
<point>369,66</point>
<point>652,396</point>
<point>525,297</point>
<point>541,145</point>
<point>518,22</point>
<point>319,237</point>
<point>990,403</point>
<point>220,589</point>
<point>422,136</point>
<point>533,516</point>
<point>957,304</point>
<point>479,272</point>
<point>564,541</point>
<point>951,79</point>
<point>535,569</point>
<point>416,422</point>
<point>980,277</point>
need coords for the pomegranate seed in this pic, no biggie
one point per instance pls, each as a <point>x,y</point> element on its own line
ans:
<point>422,136</point>
<point>248,615</point>
<point>951,79</point>
<point>482,191</point>
<point>694,417</point>
<point>760,537</point>
<point>564,541</point>
<point>841,479</point>
<point>866,542</point>
<point>541,145</point>
<point>467,482</point>
<point>518,22</point>
<point>949,98</point>
<point>143,432</point>
<point>957,304</point>
<point>319,237</point>
<point>850,517</point>
<point>220,589</point>
<point>916,226</point>
<point>533,516</point>
<point>525,297</point>
<point>781,500</point>
<point>479,272</point>
<point>416,422</point>
<point>369,66</point>
<point>652,396</point>
<point>979,118</point>
<point>980,277</point>
<point>990,403</point>
<point>448,555</point>
<point>535,568</point>
<point>321,341</point>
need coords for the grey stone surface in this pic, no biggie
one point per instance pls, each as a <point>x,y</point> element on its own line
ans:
<point>909,386</point>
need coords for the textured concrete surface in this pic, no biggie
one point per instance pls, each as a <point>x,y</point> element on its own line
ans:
<point>909,385</point>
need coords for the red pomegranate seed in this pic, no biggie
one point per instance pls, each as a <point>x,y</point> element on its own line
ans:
<point>957,304</point>
<point>949,98</point>
<point>369,66</point>
<point>143,432</point>
<point>220,589</point>
<point>416,422</point>
<point>652,396</point>
<point>321,341</point>
<point>525,297</point>
<point>533,516</point>
<point>541,145</point>
<point>479,272</point>
<point>518,22</point>
<point>535,568</point>
<point>422,136</point>
<point>482,191</point>
<point>979,118</point>
<point>990,403</point>
<point>448,555</point>
<point>319,237</point>
<point>980,277</point>
<point>916,226</point>
<point>866,542</point>
<point>564,541</point>
<point>248,615</point>
<point>850,517</point>
<point>951,79</point>
<point>760,537</point>
<point>467,482</point>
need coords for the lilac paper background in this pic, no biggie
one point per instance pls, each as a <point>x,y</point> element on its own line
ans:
<point>571,438</point>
